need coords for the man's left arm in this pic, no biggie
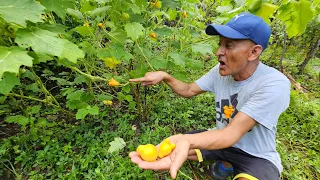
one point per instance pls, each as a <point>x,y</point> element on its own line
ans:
<point>221,138</point>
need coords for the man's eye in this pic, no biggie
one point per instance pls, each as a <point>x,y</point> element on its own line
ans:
<point>228,45</point>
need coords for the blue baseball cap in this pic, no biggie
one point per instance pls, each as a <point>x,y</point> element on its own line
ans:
<point>243,26</point>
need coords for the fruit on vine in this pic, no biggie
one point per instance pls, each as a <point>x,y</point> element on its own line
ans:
<point>125,16</point>
<point>158,4</point>
<point>113,82</point>
<point>256,4</point>
<point>107,102</point>
<point>166,148</point>
<point>148,152</point>
<point>100,25</point>
<point>86,24</point>
<point>153,35</point>
<point>185,14</point>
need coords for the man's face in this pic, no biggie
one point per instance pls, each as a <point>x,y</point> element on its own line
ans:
<point>233,57</point>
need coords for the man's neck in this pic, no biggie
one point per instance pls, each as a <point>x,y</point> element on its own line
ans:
<point>248,71</point>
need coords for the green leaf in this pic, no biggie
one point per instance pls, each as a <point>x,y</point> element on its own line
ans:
<point>39,58</point>
<point>129,98</point>
<point>83,112</point>
<point>118,35</point>
<point>164,31</point>
<point>87,48</point>
<point>135,9</point>
<point>75,95</point>
<point>35,109</point>
<point>100,10</point>
<point>266,11</point>
<point>223,9</point>
<point>173,4</point>
<point>116,145</point>
<point>76,104</point>
<point>12,58</point>
<point>159,62</point>
<point>55,28</point>
<point>103,97</point>
<point>202,48</point>
<point>18,120</point>
<point>20,11</point>
<point>194,64</point>
<point>2,99</point>
<point>178,59</point>
<point>296,16</point>
<point>75,13</point>
<point>134,30</point>
<point>8,82</point>
<point>84,30</point>
<point>46,42</point>
<point>33,87</point>
<point>58,6</point>
<point>88,6</point>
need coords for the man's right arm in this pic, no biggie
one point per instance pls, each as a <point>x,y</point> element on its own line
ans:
<point>179,87</point>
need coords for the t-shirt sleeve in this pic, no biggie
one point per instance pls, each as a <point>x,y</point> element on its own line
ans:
<point>206,82</point>
<point>268,102</point>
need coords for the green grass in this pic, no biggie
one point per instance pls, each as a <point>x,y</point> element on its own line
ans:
<point>80,151</point>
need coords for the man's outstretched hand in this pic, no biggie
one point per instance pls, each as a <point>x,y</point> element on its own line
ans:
<point>173,162</point>
<point>151,78</point>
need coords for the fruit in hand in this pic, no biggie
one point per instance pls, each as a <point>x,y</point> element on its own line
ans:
<point>148,152</point>
<point>166,148</point>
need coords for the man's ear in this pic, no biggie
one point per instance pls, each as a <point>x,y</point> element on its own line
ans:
<point>255,52</point>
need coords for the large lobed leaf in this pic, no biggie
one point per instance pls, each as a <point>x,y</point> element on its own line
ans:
<point>12,58</point>
<point>296,16</point>
<point>134,30</point>
<point>46,42</point>
<point>19,11</point>
<point>58,6</point>
<point>8,82</point>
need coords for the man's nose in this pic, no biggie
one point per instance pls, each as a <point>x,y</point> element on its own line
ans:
<point>220,51</point>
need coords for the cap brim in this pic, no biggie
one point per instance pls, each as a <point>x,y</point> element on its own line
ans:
<point>224,31</point>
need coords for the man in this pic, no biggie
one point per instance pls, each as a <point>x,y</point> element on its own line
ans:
<point>250,97</point>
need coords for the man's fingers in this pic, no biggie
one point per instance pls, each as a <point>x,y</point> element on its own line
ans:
<point>180,157</point>
<point>136,159</point>
<point>133,153</point>
<point>162,164</point>
<point>138,79</point>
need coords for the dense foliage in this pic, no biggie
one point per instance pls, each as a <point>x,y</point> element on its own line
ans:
<point>68,111</point>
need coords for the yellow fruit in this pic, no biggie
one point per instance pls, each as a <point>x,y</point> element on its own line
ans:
<point>148,152</point>
<point>153,35</point>
<point>113,82</point>
<point>185,14</point>
<point>100,25</point>
<point>166,148</point>
<point>86,24</point>
<point>107,102</point>
<point>158,5</point>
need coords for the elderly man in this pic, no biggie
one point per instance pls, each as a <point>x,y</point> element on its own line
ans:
<point>249,95</point>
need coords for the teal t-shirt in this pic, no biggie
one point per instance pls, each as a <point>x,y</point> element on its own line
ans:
<point>263,97</point>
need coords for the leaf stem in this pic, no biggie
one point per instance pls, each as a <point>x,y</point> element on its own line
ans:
<point>144,56</point>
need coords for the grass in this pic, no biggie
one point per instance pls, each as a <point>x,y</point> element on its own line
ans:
<point>80,151</point>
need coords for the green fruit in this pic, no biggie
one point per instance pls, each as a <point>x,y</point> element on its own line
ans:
<point>125,16</point>
<point>256,4</point>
